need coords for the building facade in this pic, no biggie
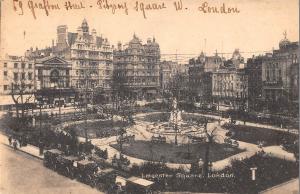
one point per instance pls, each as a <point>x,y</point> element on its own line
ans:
<point>17,73</point>
<point>254,73</point>
<point>52,80</point>
<point>230,84</point>
<point>16,82</point>
<point>90,56</point>
<point>200,76</point>
<point>138,66</point>
<point>230,88</point>
<point>280,78</point>
<point>168,70</point>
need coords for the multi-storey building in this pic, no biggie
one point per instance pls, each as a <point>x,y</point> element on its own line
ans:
<point>138,66</point>
<point>166,73</point>
<point>52,80</point>
<point>17,79</point>
<point>89,54</point>
<point>200,76</point>
<point>17,73</point>
<point>230,88</point>
<point>230,84</point>
<point>254,73</point>
<point>280,77</point>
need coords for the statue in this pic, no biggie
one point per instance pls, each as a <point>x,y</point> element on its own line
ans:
<point>175,116</point>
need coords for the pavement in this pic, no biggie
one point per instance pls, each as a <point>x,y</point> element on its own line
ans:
<point>23,174</point>
<point>29,149</point>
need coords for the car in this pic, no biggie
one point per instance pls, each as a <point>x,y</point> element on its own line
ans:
<point>51,158</point>
<point>85,170</point>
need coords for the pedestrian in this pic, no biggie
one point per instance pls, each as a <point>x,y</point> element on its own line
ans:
<point>9,139</point>
<point>15,144</point>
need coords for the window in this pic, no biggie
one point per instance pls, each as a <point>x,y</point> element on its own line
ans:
<point>15,65</point>
<point>30,76</point>
<point>5,73</point>
<point>5,87</point>
<point>5,64</point>
<point>15,76</point>
<point>23,65</point>
<point>16,86</point>
<point>30,66</point>
<point>23,76</point>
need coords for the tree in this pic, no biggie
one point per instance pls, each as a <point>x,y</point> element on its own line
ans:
<point>211,138</point>
<point>22,97</point>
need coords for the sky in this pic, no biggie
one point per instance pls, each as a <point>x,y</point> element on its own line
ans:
<point>258,27</point>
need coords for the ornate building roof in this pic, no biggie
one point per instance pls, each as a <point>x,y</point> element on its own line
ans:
<point>284,42</point>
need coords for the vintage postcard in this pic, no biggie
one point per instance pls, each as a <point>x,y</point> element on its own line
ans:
<point>149,96</point>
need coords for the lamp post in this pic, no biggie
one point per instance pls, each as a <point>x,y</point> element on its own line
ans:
<point>40,121</point>
<point>41,147</point>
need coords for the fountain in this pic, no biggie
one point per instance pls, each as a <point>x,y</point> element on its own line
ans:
<point>174,127</point>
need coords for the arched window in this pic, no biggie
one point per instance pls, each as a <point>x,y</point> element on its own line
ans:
<point>54,76</point>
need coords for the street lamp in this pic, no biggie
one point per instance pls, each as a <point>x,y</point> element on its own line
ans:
<point>40,103</point>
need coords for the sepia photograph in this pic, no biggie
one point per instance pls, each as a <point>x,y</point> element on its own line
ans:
<point>149,96</point>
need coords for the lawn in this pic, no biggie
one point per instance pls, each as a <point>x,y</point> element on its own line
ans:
<point>256,135</point>
<point>98,129</point>
<point>176,154</point>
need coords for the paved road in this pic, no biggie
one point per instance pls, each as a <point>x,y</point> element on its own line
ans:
<point>24,174</point>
